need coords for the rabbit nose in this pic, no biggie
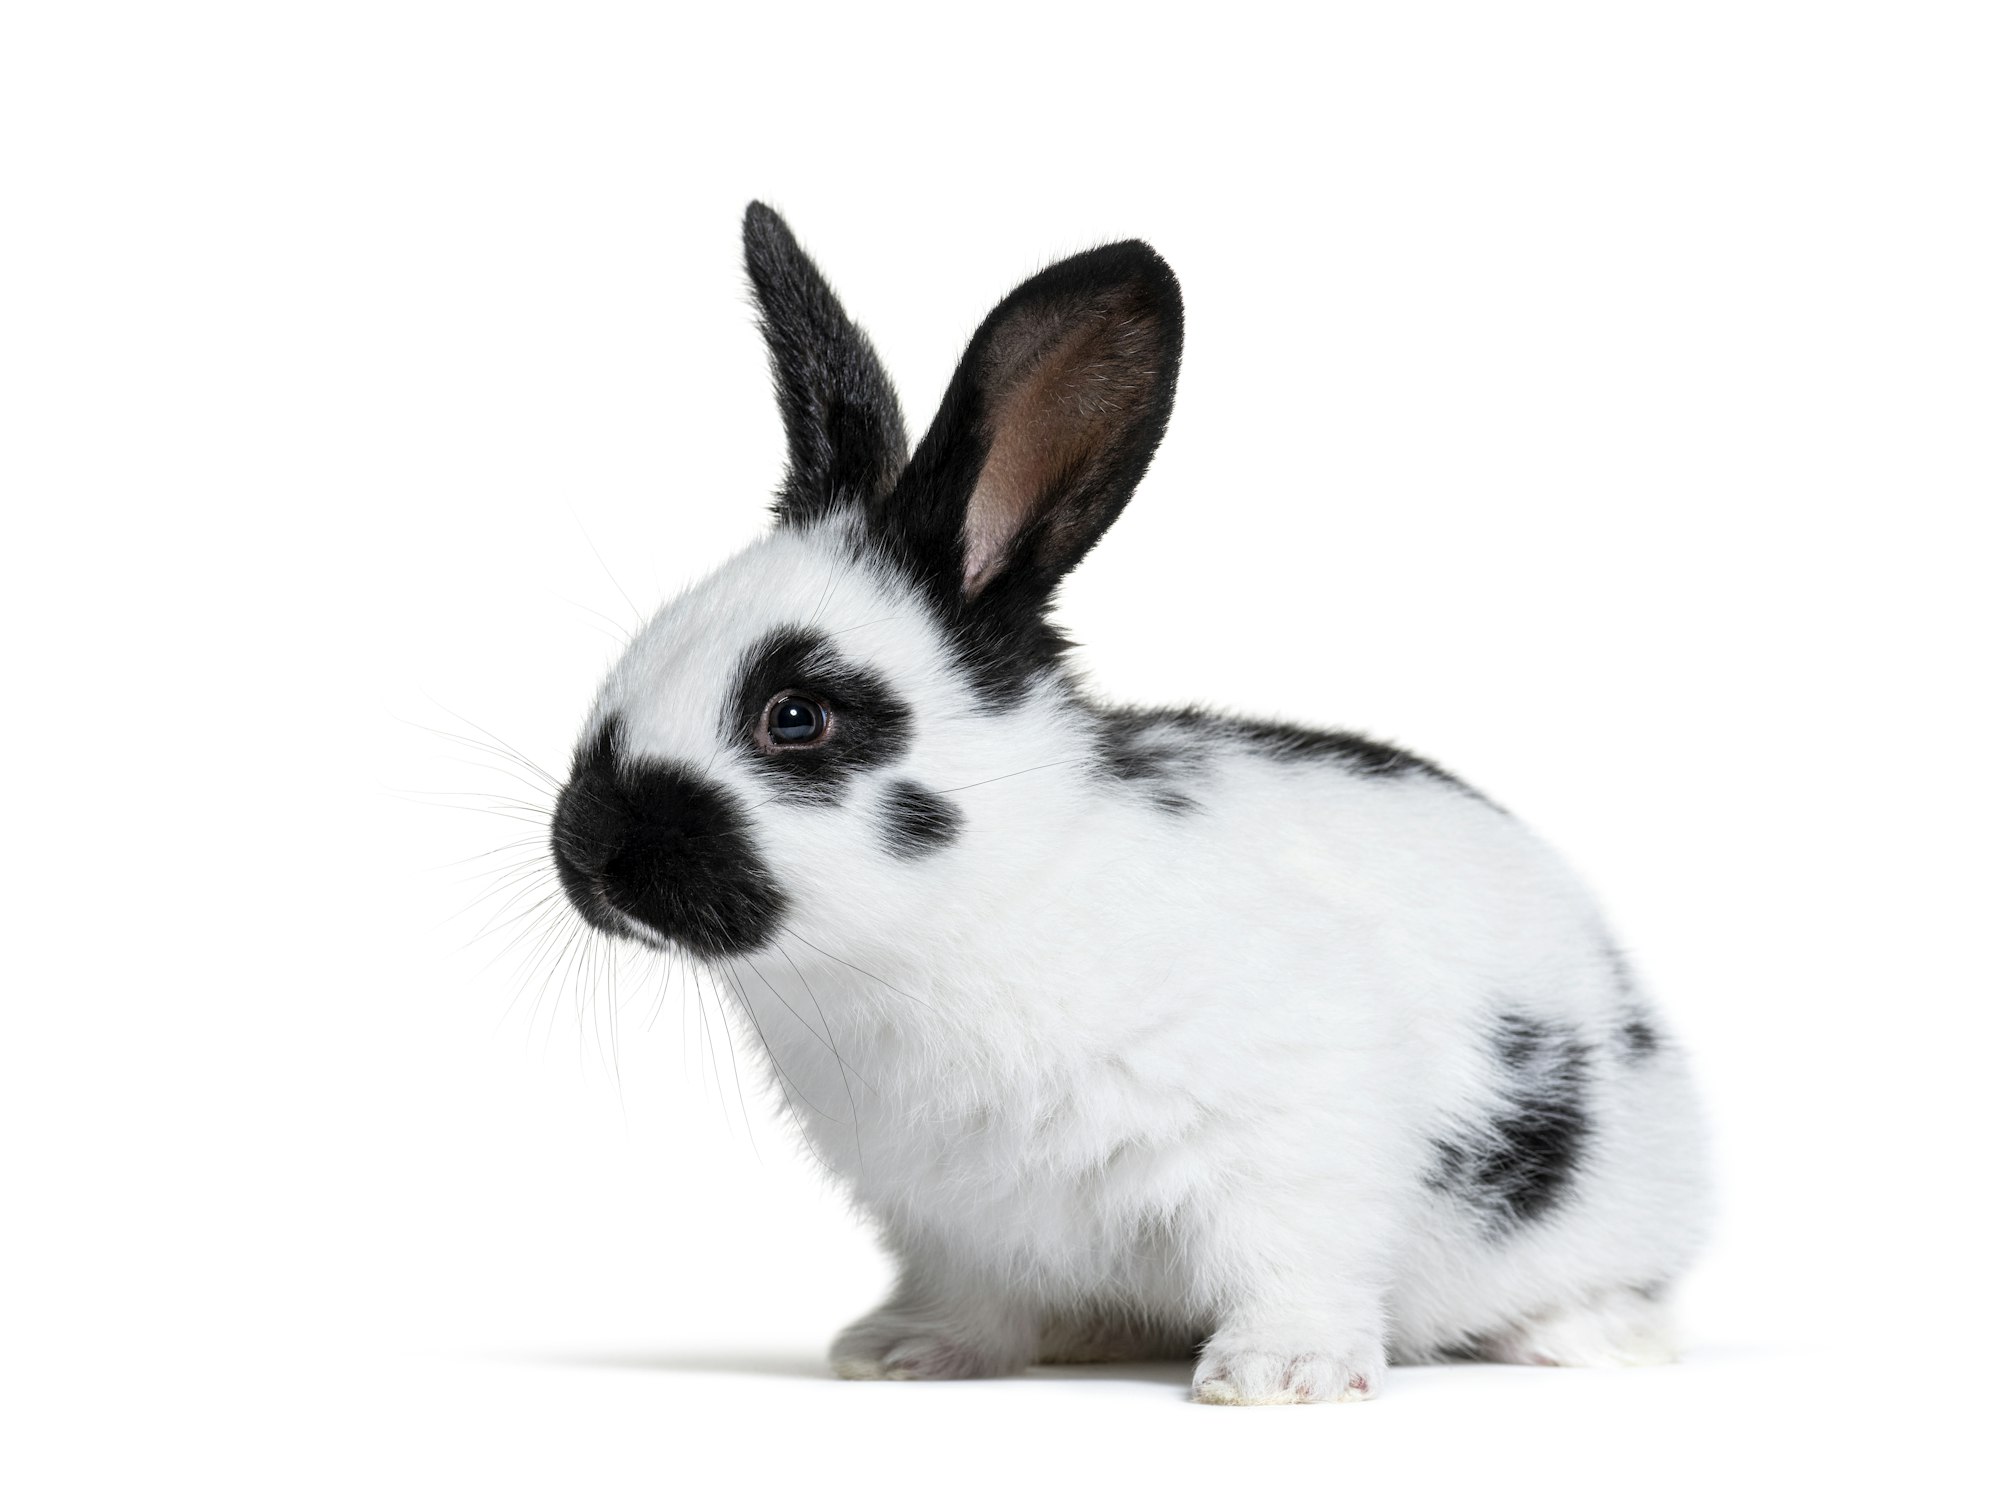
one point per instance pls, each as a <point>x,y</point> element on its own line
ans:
<point>661,844</point>
<point>590,826</point>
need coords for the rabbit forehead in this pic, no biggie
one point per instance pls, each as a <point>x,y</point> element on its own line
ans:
<point>678,681</point>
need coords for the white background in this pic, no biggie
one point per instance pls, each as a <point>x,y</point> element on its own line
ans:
<point>1601,399</point>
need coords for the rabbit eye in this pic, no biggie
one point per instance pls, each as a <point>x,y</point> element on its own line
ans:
<point>795,720</point>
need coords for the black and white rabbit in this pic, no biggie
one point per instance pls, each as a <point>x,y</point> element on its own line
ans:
<point>1133,1032</point>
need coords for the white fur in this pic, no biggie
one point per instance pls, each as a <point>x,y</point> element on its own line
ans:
<point>1111,1079</point>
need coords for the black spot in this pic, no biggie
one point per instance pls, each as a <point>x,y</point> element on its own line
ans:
<point>1518,1040</point>
<point>1154,758</point>
<point>1471,1348</point>
<point>1144,744</point>
<point>1353,753</point>
<point>917,821</point>
<point>1524,1162</point>
<point>1638,1036</point>
<point>1638,1040</point>
<point>871,724</point>
<point>659,845</point>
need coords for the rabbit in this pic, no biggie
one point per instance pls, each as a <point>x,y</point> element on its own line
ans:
<point>1133,1033</point>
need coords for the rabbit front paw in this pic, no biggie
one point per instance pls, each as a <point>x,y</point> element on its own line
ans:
<point>899,1345</point>
<point>1264,1370</point>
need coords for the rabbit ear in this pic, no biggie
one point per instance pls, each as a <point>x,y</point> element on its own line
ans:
<point>1046,428</point>
<point>843,426</point>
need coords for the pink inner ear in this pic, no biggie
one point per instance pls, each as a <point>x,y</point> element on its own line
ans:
<point>1051,417</point>
<point>1001,504</point>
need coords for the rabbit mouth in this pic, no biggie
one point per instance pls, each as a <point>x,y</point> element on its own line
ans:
<point>602,913</point>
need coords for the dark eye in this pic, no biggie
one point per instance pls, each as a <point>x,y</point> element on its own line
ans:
<point>793,719</point>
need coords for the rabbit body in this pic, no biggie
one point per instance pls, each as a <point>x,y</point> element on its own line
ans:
<point>1133,1033</point>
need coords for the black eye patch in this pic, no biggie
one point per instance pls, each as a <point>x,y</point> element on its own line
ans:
<point>868,725</point>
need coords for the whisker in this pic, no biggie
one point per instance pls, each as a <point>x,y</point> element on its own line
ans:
<point>743,997</point>
<point>528,815</point>
<point>855,967</point>
<point>485,746</point>
<point>742,1102</point>
<point>708,1049</point>
<point>793,1110</point>
<point>832,575</point>
<point>514,843</point>
<point>1053,764</point>
<point>638,617</point>
<point>611,1012</point>
<point>533,864</point>
<point>525,776</point>
<point>556,969</point>
<point>622,635</point>
<point>577,986</point>
<point>825,1042</point>
<point>871,623</point>
<point>684,1019</point>
<point>666,978</point>
<point>508,800</point>
<point>519,910</point>
<point>537,929</point>
<point>853,1110</point>
<point>499,742</point>
<point>507,877</point>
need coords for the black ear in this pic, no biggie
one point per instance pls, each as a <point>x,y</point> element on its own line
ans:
<point>843,426</point>
<point>1049,422</point>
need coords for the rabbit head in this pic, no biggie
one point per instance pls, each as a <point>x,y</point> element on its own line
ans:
<point>821,730</point>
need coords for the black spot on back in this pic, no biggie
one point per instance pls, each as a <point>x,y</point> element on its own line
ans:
<point>1353,753</point>
<point>1142,744</point>
<point>1524,1161</point>
<point>917,821</point>
<point>1157,760</point>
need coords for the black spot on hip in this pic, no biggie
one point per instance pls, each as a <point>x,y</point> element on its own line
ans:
<point>1524,1160</point>
<point>1638,1036</point>
<point>1638,1039</point>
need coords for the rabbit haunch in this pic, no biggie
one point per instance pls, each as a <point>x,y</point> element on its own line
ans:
<point>1130,1031</point>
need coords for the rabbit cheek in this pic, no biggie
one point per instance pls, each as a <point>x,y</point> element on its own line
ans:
<point>655,851</point>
